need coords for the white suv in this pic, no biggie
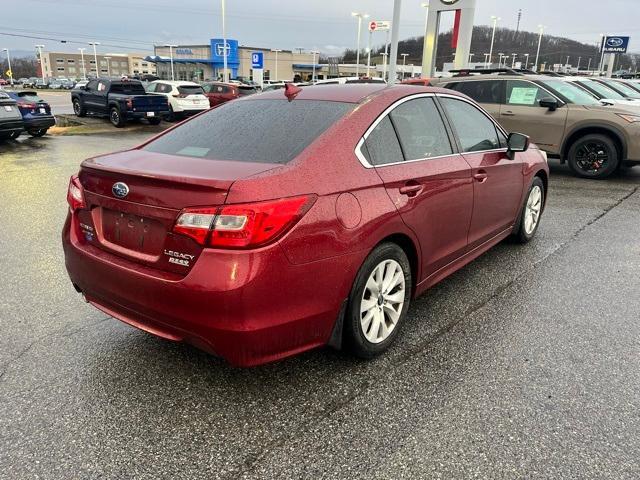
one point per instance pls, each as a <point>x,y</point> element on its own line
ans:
<point>185,98</point>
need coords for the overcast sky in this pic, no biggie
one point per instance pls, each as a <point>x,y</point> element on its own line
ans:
<point>310,24</point>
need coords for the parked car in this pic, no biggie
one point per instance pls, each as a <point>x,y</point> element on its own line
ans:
<point>344,80</point>
<point>36,113</point>
<point>424,82</point>
<point>257,247</point>
<point>55,84</point>
<point>218,92</point>
<point>22,81</point>
<point>119,100</point>
<point>67,84</point>
<point>622,87</point>
<point>603,92</point>
<point>11,123</point>
<point>563,119</point>
<point>30,82</point>
<point>3,82</point>
<point>81,83</point>
<point>42,83</point>
<point>244,90</point>
<point>185,98</point>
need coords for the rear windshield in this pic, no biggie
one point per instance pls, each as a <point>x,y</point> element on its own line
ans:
<point>30,96</point>
<point>266,131</point>
<point>246,91</point>
<point>190,90</point>
<point>128,88</point>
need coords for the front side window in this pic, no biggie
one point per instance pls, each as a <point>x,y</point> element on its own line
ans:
<point>265,131</point>
<point>524,93</point>
<point>382,146</point>
<point>474,129</point>
<point>420,129</point>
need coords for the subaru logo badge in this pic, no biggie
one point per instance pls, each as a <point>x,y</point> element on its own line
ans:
<point>615,42</point>
<point>120,189</point>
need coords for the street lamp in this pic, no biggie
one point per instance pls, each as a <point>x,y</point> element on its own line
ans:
<point>493,35</point>
<point>404,62</point>
<point>471,57</point>
<point>108,67</point>
<point>526,61</point>
<point>384,65</point>
<point>603,40</point>
<point>276,50</point>
<point>95,56</point>
<point>171,47</point>
<point>486,60</point>
<point>9,62</point>
<point>359,16</point>
<point>84,70</point>
<point>40,47</point>
<point>513,60</point>
<point>225,75</point>
<point>500,55</point>
<point>425,48</point>
<point>313,75</point>
<point>541,31</point>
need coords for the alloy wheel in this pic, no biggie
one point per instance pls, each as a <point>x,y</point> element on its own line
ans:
<point>592,157</point>
<point>532,210</point>
<point>382,301</point>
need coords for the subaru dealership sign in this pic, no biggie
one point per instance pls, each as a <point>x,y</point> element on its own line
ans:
<point>616,44</point>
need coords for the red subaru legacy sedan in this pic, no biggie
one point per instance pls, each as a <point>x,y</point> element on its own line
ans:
<point>315,224</point>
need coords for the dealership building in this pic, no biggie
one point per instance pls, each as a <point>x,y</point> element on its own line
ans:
<point>205,62</point>
<point>69,65</point>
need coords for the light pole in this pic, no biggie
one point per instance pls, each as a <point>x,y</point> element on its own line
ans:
<point>40,47</point>
<point>359,16</point>
<point>276,50</point>
<point>84,70</point>
<point>500,55</point>
<point>513,60</point>
<point>486,60</point>
<point>541,30</point>
<point>108,66</point>
<point>9,62</point>
<point>395,31</point>
<point>493,36</point>
<point>95,56</point>
<point>171,47</point>
<point>313,75</point>
<point>526,61</point>
<point>369,52</point>
<point>471,57</point>
<point>384,66</point>
<point>579,58</point>
<point>589,65</point>
<point>404,62</point>
<point>225,74</point>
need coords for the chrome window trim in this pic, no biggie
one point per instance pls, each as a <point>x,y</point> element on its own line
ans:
<point>366,164</point>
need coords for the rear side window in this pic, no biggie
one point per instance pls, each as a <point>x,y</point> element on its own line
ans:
<point>382,145</point>
<point>266,131</point>
<point>190,90</point>
<point>482,91</point>
<point>474,130</point>
<point>420,129</point>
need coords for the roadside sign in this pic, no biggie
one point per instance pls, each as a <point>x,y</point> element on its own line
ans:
<point>9,73</point>
<point>615,44</point>
<point>379,25</point>
<point>257,60</point>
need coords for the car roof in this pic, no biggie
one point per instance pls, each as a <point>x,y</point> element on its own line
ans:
<point>177,82</point>
<point>352,93</point>
<point>498,76</point>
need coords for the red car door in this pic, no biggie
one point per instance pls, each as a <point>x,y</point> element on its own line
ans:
<point>498,181</point>
<point>430,185</point>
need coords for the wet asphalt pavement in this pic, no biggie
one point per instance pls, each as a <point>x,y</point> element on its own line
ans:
<point>525,364</point>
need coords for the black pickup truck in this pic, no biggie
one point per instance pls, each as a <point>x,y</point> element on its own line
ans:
<point>120,100</point>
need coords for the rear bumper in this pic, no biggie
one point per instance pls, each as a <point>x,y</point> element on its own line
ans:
<point>248,307</point>
<point>143,114</point>
<point>39,122</point>
<point>11,126</point>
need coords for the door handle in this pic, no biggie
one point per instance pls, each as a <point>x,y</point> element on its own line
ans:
<point>508,113</point>
<point>481,176</point>
<point>411,190</point>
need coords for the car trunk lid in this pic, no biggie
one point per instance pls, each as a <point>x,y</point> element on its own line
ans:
<point>133,199</point>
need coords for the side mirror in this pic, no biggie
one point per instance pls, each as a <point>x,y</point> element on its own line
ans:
<point>517,142</point>
<point>550,103</point>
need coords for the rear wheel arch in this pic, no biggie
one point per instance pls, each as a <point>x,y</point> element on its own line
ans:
<point>410,249</point>
<point>615,136</point>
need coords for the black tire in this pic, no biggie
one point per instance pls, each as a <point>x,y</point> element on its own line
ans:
<point>79,108</point>
<point>171,116</point>
<point>115,117</point>
<point>593,156</point>
<point>38,132</point>
<point>354,334</point>
<point>154,120</point>
<point>523,232</point>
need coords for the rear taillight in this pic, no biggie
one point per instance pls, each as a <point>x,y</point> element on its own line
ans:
<point>181,95</point>
<point>240,226</point>
<point>27,105</point>
<point>75,197</point>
